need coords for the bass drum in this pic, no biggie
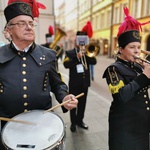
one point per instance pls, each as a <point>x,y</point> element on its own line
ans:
<point>46,133</point>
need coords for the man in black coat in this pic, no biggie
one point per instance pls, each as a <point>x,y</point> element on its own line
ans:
<point>79,80</point>
<point>27,70</point>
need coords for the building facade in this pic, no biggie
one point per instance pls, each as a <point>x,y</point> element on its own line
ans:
<point>106,16</point>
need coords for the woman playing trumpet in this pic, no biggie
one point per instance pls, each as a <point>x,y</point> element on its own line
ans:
<point>129,115</point>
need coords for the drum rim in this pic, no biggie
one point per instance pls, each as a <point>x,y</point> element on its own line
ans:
<point>51,146</point>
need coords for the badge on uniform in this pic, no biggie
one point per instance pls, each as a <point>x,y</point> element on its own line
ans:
<point>80,68</point>
<point>115,83</point>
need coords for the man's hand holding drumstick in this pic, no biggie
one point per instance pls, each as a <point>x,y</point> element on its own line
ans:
<point>69,102</point>
<point>73,102</point>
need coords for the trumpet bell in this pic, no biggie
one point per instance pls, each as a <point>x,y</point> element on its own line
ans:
<point>92,50</point>
<point>60,33</point>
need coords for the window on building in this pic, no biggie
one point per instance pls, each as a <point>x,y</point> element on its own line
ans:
<point>108,18</point>
<point>94,22</point>
<point>147,7</point>
<point>122,16</point>
<point>94,2</point>
<point>116,15</point>
<point>97,22</point>
<point>0,5</point>
<point>102,20</point>
<point>135,9</point>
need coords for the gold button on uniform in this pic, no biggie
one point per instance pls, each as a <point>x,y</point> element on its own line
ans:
<point>24,58</point>
<point>24,80</point>
<point>23,65</point>
<point>148,108</point>
<point>25,96</point>
<point>25,110</point>
<point>25,104</point>
<point>25,87</point>
<point>23,72</point>
<point>146,102</point>
<point>145,96</point>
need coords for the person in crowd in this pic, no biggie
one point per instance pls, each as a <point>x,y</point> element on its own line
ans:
<point>92,72</point>
<point>128,80</point>
<point>78,63</point>
<point>49,37</point>
<point>27,70</point>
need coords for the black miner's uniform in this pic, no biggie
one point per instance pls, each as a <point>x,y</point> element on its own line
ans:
<point>129,115</point>
<point>78,83</point>
<point>26,80</point>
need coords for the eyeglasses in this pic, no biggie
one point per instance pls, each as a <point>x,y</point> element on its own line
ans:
<point>23,24</point>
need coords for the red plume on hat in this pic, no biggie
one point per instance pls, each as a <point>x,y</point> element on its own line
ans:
<point>50,30</point>
<point>130,23</point>
<point>34,6</point>
<point>88,29</point>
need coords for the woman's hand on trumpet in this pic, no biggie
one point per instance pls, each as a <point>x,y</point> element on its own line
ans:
<point>145,64</point>
<point>72,102</point>
<point>146,69</point>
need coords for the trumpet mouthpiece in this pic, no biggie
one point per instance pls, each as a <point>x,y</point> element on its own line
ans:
<point>137,57</point>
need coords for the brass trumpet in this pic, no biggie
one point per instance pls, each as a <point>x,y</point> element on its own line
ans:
<point>60,33</point>
<point>141,59</point>
<point>92,49</point>
<point>147,53</point>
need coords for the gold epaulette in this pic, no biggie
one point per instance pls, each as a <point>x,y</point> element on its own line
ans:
<point>66,59</point>
<point>115,88</point>
<point>61,77</point>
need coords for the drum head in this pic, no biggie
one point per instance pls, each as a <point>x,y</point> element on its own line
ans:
<point>47,131</point>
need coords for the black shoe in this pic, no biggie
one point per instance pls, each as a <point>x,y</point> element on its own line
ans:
<point>83,125</point>
<point>73,127</point>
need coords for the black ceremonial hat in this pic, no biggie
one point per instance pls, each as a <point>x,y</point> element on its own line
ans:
<point>17,8</point>
<point>47,35</point>
<point>128,37</point>
<point>81,33</point>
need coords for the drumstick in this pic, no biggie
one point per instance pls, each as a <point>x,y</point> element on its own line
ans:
<point>18,121</point>
<point>63,103</point>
